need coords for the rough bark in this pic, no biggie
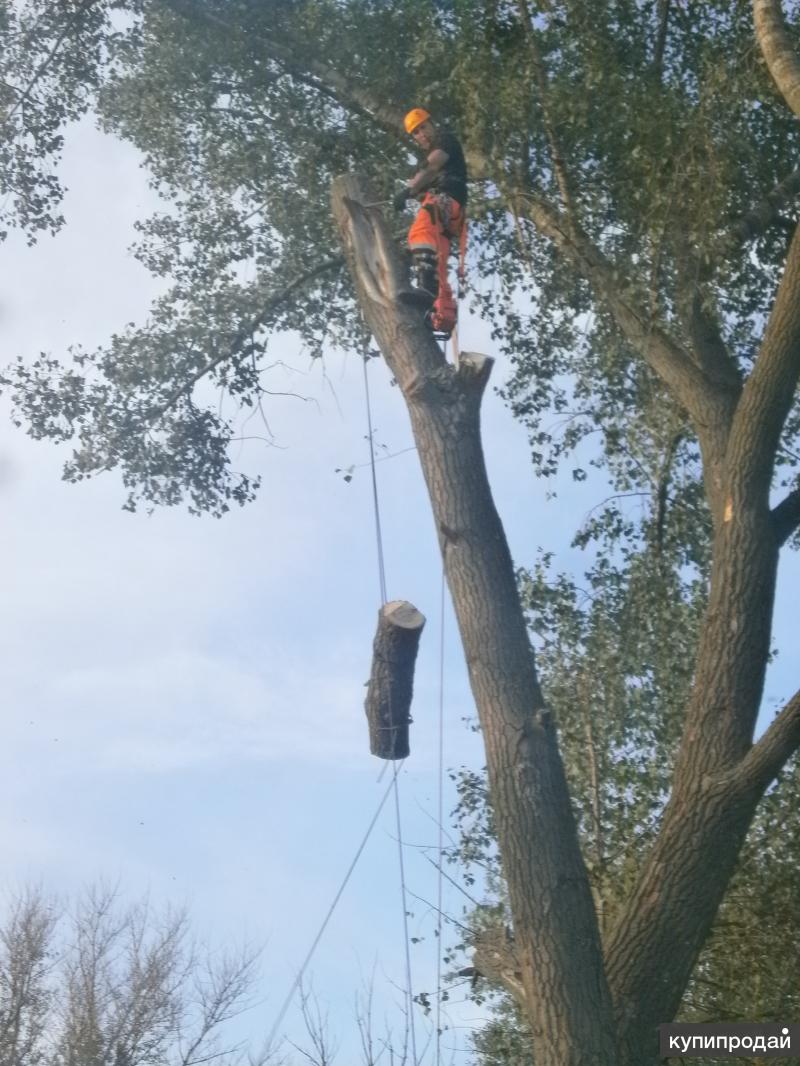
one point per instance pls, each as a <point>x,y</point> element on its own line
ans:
<point>495,960</point>
<point>391,683</point>
<point>556,934</point>
<point>719,775</point>
<point>776,46</point>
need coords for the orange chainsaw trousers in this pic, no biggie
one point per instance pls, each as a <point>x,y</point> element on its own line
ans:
<point>438,220</point>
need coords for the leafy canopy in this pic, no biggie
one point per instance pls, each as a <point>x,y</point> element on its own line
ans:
<point>669,132</point>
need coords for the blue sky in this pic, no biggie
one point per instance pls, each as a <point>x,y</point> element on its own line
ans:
<point>184,697</point>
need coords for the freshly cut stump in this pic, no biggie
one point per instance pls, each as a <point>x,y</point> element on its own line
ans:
<point>391,683</point>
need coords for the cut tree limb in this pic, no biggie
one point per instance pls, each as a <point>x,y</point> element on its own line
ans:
<point>495,959</point>
<point>391,682</point>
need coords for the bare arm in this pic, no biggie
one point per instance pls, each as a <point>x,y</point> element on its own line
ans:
<point>425,177</point>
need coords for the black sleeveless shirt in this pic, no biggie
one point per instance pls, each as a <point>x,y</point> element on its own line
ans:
<point>452,178</point>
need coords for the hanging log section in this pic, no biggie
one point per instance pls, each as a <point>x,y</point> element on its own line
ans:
<point>391,683</point>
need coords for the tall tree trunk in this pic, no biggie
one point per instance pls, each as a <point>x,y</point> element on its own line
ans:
<point>557,939</point>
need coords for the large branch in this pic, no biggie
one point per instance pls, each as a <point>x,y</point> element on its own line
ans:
<point>776,46</point>
<point>769,754</point>
<point>768,394</point>
<point>786,516</point>
<point>555,925</point>
<point>708,393</point>
<point>719,775</point>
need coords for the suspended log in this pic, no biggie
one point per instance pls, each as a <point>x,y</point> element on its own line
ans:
<point>391,682</point>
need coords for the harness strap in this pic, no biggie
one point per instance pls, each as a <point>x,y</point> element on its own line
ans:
<point>462,255</point>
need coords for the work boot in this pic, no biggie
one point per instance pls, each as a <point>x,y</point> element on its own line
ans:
<point>425,274</point>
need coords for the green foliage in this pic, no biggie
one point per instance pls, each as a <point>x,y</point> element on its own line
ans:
<point>50,57</point>
<point>245,111</point>
<point>233,106</point>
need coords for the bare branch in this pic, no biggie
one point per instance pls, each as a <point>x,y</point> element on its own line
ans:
<point>26,960</point>
<point>323,1049</point>
<point>240,339</point>
<point>221,994</point>
<point>774,41</point>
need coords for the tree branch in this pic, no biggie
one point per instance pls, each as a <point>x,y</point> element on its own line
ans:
<point>769,754</point>
<point>661,38</point>
<point>769,391</point>
<point>236,345</point>
<point>762,214</point>
<point>786,516</point>
<point>662,487</point>
<point>776,46</point>
<point>693,387</point>
<point>556,153</point>
<point>707,343</point>
<point>319,76</point>
<point>25,94</point>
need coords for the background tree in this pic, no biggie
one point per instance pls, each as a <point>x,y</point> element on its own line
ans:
<point>108,984</point>
<point>634,198</point>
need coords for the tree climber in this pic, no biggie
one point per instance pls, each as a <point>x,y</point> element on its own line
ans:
<point>441,185</point>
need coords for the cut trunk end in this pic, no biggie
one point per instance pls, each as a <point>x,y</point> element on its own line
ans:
<point>391,683</point>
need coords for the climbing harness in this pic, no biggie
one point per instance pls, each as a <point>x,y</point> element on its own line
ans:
<point>443,316</point>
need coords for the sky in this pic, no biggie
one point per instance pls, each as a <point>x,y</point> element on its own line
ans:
<point>184,696</point>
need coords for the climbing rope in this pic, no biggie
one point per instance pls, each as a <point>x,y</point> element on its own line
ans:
<point>394,782</point>
<point>375,501</point>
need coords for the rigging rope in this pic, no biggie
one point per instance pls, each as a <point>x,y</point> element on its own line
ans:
<point>409,988</point>
<point>440,819</point>
<point>375,503</point>
<point>393,784</point>
<point>301,972</point>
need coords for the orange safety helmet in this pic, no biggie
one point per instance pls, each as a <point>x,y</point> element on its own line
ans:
<point>415,118</point>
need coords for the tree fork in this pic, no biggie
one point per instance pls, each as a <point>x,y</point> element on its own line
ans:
<point>555,926</point>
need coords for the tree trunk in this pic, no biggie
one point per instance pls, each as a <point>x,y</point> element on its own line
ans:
<point>555,926</point>
<point>391,683</point>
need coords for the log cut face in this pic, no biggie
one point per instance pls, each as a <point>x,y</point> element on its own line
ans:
<point>391,683</point>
